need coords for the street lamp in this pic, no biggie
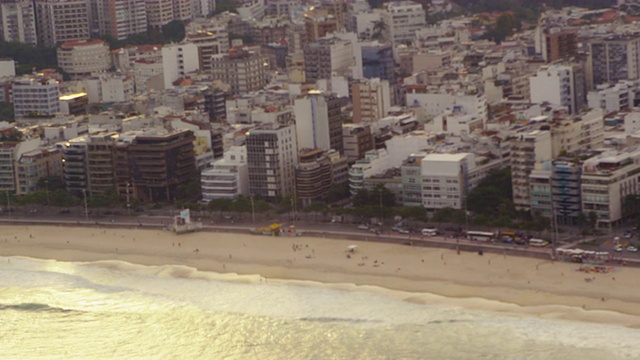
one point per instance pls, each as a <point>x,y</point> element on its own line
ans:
<point>86,208</point>
<point>128,203</point>
<point>253,211</point>
<point>8,202</point>
<point>46,183</point>
<point>381,209</point>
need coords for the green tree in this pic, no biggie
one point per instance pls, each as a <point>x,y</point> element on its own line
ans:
<point>50,183</point>
<point>492,197</point>
<point>173,32</point>
<point>337,192</point>
<point>221,205</point>
<point>62,198</point>
<point>28,57</point>
<point>593,219</point>
<point>316,207</point>
<point>241,205</point>
<point>6,112</point>
<point>226,5</point>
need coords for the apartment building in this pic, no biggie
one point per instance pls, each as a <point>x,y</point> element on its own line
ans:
<point>371,100</point>
<point>357,139</point>
<point>614,97</point>
<point>154,163</point>
<point>35,95</point>
<point>319,22</point>
<point>559,44</point>
<point>18,22</point>
<point>565,187</point>
<point>377,61</point>
<point>100,163</point>
<point>615,58</point>
<point>528,152</point>
<point>242,69</point>
<point>32,166</point>
<point>374,162</point>
<point>159,12</point>
<point>119,18</point>
<point>272,157</point>
<point>327,56</point>
<point>606,180</point>
<point>84,58</point>
<point>317,171</point>
<point>319,121</point>
<point>558,84</point>
<point>411,172</point>
<point>74,164</point>
<point>213,41</point>
<point>445,180</point>
<point>177,61</point>
<point>228,177</point>
<point>62,20</point>
<point>110,88</point>
<point>402,19</point>
<point>583,131</point>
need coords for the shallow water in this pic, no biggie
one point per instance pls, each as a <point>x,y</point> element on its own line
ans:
<point>113,309</point>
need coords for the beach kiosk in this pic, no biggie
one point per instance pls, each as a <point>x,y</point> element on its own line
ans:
<point>182,223</point>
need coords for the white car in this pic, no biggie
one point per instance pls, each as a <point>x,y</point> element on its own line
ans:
<point>618,249</point>
<point>404,231</point>
<point>363,227</point>
<point>632,249</point>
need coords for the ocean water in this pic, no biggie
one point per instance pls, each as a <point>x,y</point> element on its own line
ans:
<point>117,310</point>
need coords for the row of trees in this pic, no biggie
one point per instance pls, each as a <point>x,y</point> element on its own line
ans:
<point>28,57</point>
<point>172,32</point>
<point>488,205</point>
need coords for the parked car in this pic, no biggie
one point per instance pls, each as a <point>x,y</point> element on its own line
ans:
<point>363,227</point>
<point>632,249</point>
<point>404,231</point>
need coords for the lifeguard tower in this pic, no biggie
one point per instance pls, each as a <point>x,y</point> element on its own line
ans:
<point>182,223</point>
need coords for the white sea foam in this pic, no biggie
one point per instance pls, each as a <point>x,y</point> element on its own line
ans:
<point>127,310</point>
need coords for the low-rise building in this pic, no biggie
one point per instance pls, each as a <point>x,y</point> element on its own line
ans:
<point>606,181</point>
<point>228,177</point>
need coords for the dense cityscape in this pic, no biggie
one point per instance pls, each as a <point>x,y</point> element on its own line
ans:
<point>450,179</point>
<point>298,106</point>
<point>320,103</point>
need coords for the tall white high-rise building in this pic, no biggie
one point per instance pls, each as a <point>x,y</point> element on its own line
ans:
<point>18,22</point>
<point>272,157</point>
<point>528,152</point>
<point>318,122</point>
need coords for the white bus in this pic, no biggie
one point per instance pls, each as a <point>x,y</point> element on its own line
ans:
<point>430,231</point>
<point>480,235</point>
<point>538,242</point>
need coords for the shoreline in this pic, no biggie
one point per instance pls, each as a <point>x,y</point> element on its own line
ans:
<point>434,276</point>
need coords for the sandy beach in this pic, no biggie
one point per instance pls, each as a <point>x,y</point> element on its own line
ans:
<point>491,282</point>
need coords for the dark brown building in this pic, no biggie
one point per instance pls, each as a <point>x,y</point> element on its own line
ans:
<point>153,166</point>
<point>560,45</point>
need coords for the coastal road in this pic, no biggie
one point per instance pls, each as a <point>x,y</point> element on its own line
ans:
<point>336,231</point>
